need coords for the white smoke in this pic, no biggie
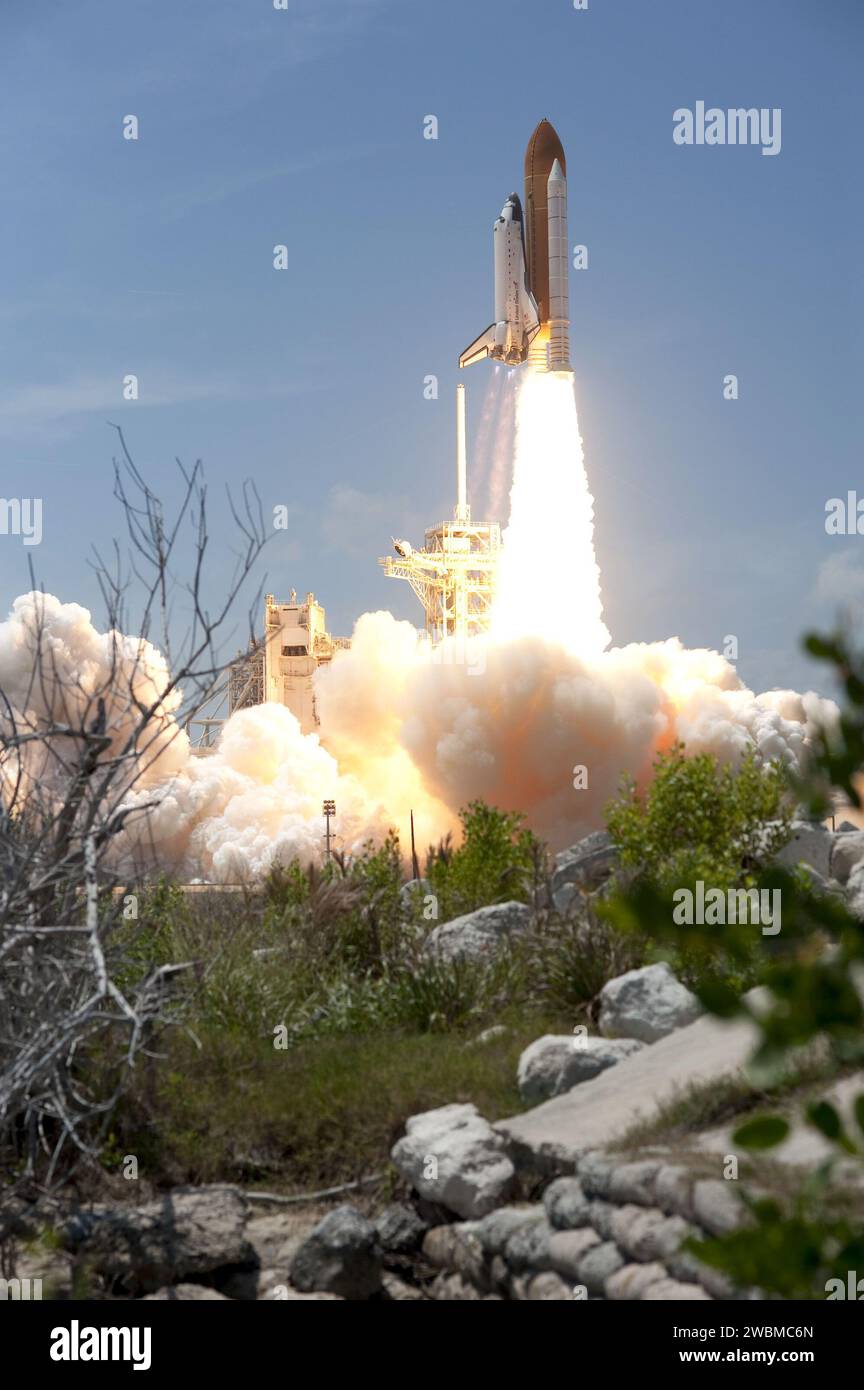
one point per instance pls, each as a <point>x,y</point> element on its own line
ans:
<point>401,732</point>
<point>515,732</point>
<point>256,801</point>
<point>54,667</point>
<point>541,720</point>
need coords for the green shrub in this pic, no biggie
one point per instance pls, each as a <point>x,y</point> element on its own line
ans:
<point>496,862</point>
<point>699,819</point>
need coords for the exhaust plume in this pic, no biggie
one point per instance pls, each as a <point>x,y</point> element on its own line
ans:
<point>540,717</point>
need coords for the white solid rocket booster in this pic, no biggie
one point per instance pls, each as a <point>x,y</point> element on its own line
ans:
<point>559,299</point>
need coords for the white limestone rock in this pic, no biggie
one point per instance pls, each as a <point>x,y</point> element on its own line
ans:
<point>585,865</point>
<point>811,844</point>
<point>453,1156</point>
<point>646,1004</point>
<point>477,936</point>
<point>554,1063</point>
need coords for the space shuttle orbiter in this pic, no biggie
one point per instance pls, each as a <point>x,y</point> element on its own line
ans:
<point>517,320</point>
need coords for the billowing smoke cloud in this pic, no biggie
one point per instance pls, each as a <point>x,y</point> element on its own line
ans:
<point>54,667</point>
<point>539,718</point>
<point>255,802</point>
<point>403,729</point>
<point>514,727</point>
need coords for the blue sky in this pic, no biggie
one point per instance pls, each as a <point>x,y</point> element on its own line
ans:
<point>305,127</point>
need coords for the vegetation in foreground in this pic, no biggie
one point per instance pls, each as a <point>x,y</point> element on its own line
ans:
<point>309,1023</point>
<point>317,1023</point>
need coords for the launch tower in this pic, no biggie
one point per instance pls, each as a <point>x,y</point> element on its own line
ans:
<point>454,575</point>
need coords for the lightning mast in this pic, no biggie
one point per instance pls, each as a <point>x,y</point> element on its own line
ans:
<point>455,574</point>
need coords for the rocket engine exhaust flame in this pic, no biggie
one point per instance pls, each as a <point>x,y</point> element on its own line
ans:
<point>548,582</point>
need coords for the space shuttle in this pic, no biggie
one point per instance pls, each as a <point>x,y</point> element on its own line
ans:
<point>530,253</point>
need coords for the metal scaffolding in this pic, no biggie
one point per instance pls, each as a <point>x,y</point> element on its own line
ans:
<point>454,577</point>
<point>455,574</point>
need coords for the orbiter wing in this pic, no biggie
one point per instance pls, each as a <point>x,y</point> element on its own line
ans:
<point>480,348</point>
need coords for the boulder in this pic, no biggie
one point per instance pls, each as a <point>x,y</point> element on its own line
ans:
<point>478,935</point>
<point>453,1156</point>
<point>663,1290</point>
<point>555,1063</point>
<point>283,1293</point>
<point>190,1233</point>
<point>601,1215</point>
<point>400,1229</point>
<point>631,1281</point>
<point>717,1206</point>
<point>672,1189</point>
<point>453,1288</point>
<point>634,1229</point>
<point>595,1173</point>
<point>634,1182</point>
<point>567,1206</point>
<point>547,1288</point>
<point>495,1230</point>
<point>469,1257</point>
<point>341,1256</point>
<point>646,1004</point>
<point>847,855</point>
<point>598,1265</point>
<point>566,1132</point>
<point>568,1248</point>
<point>185,1292</point>
<point>399,1292</point>
<point>527,1249</point>
<point>689,1270</point>
<point>811,844</point>
<point>585,865</point>
<point>666,1239</point>
<point>855,892</point>
<point>439,1246</point>
<point>276,1238</point>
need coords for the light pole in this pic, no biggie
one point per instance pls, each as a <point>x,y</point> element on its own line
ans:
<point>329,810</point>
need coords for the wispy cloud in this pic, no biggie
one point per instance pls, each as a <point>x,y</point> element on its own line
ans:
<point>37,406</point>
<point>840,580</point>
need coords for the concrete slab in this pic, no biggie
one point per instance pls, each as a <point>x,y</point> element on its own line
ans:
<point>804,1145</point>
<point>551,1137</point>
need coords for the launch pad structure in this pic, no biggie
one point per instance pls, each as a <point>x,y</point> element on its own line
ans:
<point>455,574</point>
<point>274,669</point>
<point>278,668</point>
